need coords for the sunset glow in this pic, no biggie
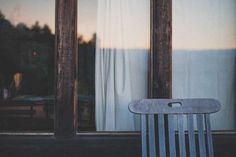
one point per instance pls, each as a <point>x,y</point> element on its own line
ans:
<point>196,24</point>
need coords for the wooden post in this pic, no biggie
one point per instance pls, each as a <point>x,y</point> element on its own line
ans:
<point>160,83</point>
<point>65,57</point>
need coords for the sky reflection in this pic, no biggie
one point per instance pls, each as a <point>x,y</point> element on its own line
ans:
<point>197,24</point>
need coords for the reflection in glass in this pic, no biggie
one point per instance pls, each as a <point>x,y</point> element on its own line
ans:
<point>26,66</point>
<point>86,64</point>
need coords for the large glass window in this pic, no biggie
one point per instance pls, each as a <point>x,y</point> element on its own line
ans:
<point>204,55</point>
<point>113,62</point>
<point>113,45</point>
<point>26,65</point>
<point>87,15</point>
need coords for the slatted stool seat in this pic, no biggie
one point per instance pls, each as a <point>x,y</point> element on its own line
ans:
<point>186,118</point>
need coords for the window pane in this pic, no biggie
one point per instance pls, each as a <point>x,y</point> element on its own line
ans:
<point>204,57</point>
<point>113,62</point>
<point>26,65</point>
<point>86,64</point>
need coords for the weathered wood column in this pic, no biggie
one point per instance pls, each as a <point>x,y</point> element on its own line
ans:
<point>65,58</point>
<point>160,83</point>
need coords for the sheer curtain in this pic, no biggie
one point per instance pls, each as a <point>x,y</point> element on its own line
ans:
<point>204,56</point>
<point>121,61</point>
<point>208,74</point>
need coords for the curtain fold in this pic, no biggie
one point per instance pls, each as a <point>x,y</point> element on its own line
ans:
<point>204,56</point>
<point>121,62</point>
<point>208,74</point>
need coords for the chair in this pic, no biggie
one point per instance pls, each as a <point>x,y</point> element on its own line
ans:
<point>184,119</point>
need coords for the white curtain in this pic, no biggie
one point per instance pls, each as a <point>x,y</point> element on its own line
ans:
<point>204,56</point>
<point>208,74</point>
<point>121,61</point>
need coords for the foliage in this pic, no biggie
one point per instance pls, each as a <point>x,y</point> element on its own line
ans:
<point>30,51</point>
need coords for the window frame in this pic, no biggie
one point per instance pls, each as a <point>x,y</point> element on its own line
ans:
<point>160,72</point>
<point>75,143</point>
<point>160,66</point>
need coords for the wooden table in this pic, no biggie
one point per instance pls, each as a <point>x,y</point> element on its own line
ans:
<point>9,107</point>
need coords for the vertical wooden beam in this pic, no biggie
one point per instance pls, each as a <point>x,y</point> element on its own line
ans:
<point>65,57</point>
<point>160,83</point>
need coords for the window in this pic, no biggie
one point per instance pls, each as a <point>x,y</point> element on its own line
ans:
<point>26,66</point>
<point>113,62</point>
<point>204,53</point>
<point>66,82</point>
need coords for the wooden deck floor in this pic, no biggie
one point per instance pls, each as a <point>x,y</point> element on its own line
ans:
<point>91,146</point>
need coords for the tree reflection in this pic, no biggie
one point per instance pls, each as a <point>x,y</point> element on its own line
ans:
<point>29,51</point>
<point>27,72</point>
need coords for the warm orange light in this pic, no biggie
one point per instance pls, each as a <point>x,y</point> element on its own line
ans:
<point>34,53</point>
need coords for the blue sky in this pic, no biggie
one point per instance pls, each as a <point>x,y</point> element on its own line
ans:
<point>197,24</point>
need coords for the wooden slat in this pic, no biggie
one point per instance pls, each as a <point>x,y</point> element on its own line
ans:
<point>65,58</point>
<point>182,146</point>
<point>166,106</point>
<point>188,107</point>
<point>151,133</point>
<point>161,135</point>
<point>209,136</point>
<point>201,137</point>
<point>171,132</point>
<point>144,135</point>
<point>191,136</point>
<point>183,106</point>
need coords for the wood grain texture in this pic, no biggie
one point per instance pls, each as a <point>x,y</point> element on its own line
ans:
<point>209,136</point>
<point>144,135</point>
<point>171,134</point>
<point>187,106</point>
<point>182,145</point>
<point>93,146</point>
<point>161,135</point>
<point>186,109</point>
<point>191,136</point>
<point>160,78</point>
<point>65,56</point>
<point>201,136</point>
<point>151,136</point>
